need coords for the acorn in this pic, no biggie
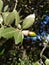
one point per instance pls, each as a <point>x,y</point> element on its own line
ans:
<point>29,33</point>
<point>32,34</point>
<point>25,32</point>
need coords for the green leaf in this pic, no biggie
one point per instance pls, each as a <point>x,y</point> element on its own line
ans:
<point>37,63</point>
<point>10,18</point>
<point>47,62</point>
<point>28,21</point>
<point>1,30</point>
<point>5,14</point>
<point>13,52</point>
<point>1,5</point>
<point>18,36</point>
<point>7,32</point>
<point>2,52</point>
<point>5,8</point>
<point>11,32</point>
<point>22,62</point>
<point>17,17</point>
<point>1,19</point>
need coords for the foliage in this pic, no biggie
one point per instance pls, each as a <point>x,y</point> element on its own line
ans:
<point>15,47</point>
<point>8,18</point>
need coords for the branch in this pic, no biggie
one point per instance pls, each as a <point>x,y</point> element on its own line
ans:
<point>41,54</point>
<point>45,45</point>
<point>16,4</point>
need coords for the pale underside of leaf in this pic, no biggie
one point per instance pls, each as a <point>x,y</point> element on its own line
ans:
<point>27,23</point>
<point>5,8</point>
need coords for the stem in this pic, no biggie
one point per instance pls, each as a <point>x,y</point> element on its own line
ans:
<point>41,62</point>
<point>16,4</point>
<point>41,54</point>
<point>45,45</point>
<point>44,57</point>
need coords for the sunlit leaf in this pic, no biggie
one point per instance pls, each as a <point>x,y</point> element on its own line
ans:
<point>1,5</point>
<point>10,18</point>
<point>47,62</point>
<point>36,63</point>
<point>5,16</point>
<point>6,8</point>
<point>17,17</point>
<point>1,19</point>
<point>1,30</point>
<point>28,21</point>
<point>18,36</point>
<point>11,32</point>
<point>8,32</point>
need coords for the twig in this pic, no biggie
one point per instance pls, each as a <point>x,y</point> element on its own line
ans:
<point>16,4</point>
<point>41,62</point>
<point>41,54</point>
<point>45,45</point>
